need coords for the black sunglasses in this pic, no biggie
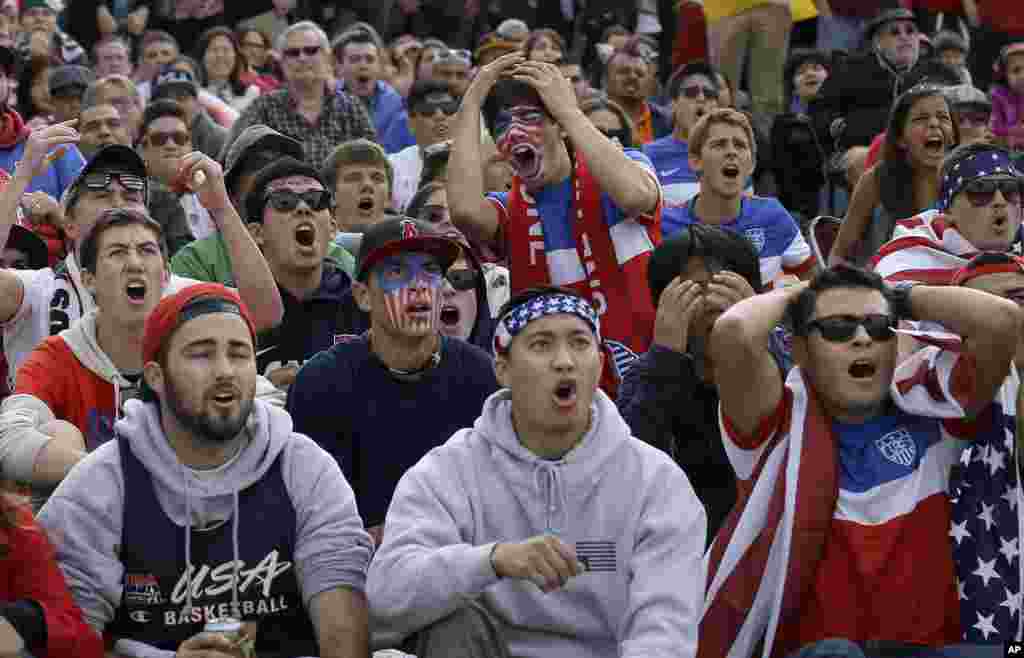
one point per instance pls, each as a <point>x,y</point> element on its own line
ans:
<point>693,91</point>
<point>101,180</point>
<point>287,201</point>
<point>980,192</point>
<point>841,328</point>
<point>427,108</point>
<point>462,278</point>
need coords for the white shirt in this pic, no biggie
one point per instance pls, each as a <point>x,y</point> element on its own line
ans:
<point>408,167</point>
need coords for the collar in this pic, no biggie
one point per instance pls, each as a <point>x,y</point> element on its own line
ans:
<point>334,284</point>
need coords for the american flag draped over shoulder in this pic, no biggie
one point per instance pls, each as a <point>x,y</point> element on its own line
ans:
<point>984,529</point>
<point>924,249</point>
<point>766,555</point>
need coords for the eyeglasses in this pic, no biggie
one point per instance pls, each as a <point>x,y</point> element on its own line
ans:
<point>693,91</point>
<point>428,108</point>
<point>287,201</point>
<point>308,51</point>
<point>433,214</point>
<point>159,139</point>
<point>841,328</point>
<point>101,180</point>
<point>462,278</point>
<point>463,56</point>
<point>980,192</point>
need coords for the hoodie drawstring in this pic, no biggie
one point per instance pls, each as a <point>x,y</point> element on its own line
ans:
<point>552,492</point>
<point>236,611</point>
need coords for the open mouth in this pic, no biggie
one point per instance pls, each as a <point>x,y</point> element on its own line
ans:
<point>450,315</point>
<point>305,235</point>
<point>526,161</point>
<point>1000,222</point>
<point>366,205</point>
<point>136,291</point>
<point>418,308</point>
<point>701,111</point>
<point>935,145</point>
<point>224,397</point>
<point>565,393</point>
<point>862,369</point>
<point>731,171</point>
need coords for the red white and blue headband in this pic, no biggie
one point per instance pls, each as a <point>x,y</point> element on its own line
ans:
<point>515,320</point>
<point>986,163</point>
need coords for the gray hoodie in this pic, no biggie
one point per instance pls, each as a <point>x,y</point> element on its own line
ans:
<point>84,516</point>
<point>626,507</point>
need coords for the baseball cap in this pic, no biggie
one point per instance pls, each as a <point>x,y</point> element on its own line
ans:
<point>184,305</point>
<point>696,67</point>
<point>70,79</point>
<point>113,157</point>
<point>393,236</point>
<point>258,137</point>
<point>286,167</point>
<point>170,78</point>
<point>968,97</point>
<point>32,245</point>
<point>989,262</point>
<point>884,18</point>
<point>56,6</point>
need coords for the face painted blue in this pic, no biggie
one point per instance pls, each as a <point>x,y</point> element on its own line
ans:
<point>400,271</point>
<point>528,116</point>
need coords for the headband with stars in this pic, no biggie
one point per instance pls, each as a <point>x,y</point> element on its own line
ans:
<point>516,319</point>
<point>988,163</point>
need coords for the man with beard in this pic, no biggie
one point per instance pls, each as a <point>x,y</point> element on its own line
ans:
<point>290,217</point>
<point>588,222</point>
<point>431,106</point>
<point>209,506</point>
<point>407,380</point>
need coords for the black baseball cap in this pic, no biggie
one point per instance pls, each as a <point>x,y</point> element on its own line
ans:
<point>70,79</point>
<point>113,157</point>
<point>255,138</point>
<point>32,245</point>
<point>256,200</point>
<point>170,78</point>
<point>404,234</point>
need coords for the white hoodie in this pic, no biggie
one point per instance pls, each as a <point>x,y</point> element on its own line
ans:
<point>626,506</point>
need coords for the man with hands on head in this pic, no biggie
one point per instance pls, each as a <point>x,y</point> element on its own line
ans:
<point>35,304</point>
<point>587,221</point>
<point>545,529</point>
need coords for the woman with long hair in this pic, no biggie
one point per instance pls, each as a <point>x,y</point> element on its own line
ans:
<point>905,182</point>
<point>258,50</point>
<point>34,103</point>
<point>225,68</point>
<point>544,45</point>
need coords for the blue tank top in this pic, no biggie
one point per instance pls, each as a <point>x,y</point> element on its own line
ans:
<point>153,597</point>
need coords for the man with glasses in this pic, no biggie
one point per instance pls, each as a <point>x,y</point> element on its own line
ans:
<point>694,93</point>
<point>431,107</point>
<point>359,68</point>
<point>179,85</point>
<point>629,73</point>
<point>843,521</point>
<point>979,209</point>
<point>308,107</point>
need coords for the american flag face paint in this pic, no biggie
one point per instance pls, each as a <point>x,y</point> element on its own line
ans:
<point>411,284</point>
<point>520,132</point>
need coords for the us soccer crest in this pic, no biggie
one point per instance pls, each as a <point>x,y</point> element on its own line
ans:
<point>756,235</point>
<point>898,447</point>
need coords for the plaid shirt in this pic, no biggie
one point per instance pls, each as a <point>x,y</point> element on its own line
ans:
<point>341,119</point>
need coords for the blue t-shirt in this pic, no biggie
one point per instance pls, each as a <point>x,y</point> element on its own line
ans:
<point>773,231</point>
<point>58,176</point>
<point>670,158</point>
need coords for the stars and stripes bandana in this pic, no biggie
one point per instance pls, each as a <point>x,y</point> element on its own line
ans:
<point>988,163</point>
<point>516,319</point>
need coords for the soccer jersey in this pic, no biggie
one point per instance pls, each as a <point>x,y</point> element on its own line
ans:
<point>671,160</point>
<point>773,231</point>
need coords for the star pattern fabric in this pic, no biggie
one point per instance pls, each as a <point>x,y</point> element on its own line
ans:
<point>517,318</point>
<point>988,163</point>
<point>984,531</point>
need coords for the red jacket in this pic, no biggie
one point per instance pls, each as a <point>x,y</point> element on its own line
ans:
<point>30,571</point>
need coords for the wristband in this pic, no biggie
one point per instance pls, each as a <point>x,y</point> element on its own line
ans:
<point>899,300</point>
<point>494,566</point>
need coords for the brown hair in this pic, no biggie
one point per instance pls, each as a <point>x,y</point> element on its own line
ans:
<point>727,116</point>
<point>601,102</point>
<point>540,33</point>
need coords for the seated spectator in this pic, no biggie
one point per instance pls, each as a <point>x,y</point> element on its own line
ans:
<point>952,49</point>
<point>218,110</point>
<point>979,209</point>
<point>855,443</point>
<point>24,251</point>
<point>122,93</point>
<point>722,153</point>
<point>806,71</point>
<point>40,35</point>
<point>225,71</point>
<point>669,397</point>
<point>538,227</point>
<point>402,363</point>
<point>34,104</point>
<point>113,56</point>
<point>159,48</point>
<point>972,110</point>
<point>453,67</point>
<point>1008,96</point>
<point>529,510</point>
<point>544,45</point>
<point>272,22</point>
<point>431,106</point>
<point>307,106</point>
<point>573,72</point>
<point>67,86</point>
<point>921,131</point>
<point>628,75</point>
<point>289,213</point>
<point>179,86</point>
<point>359,175</point>
<point>608,117</point>
<point>99,126</point>
<point>359,72</point>
<point>39,615</point>
<point>493,45</point>
<point>258,48</point>
<point>986,478</point>
<point>694,92</point>
<point>40,303</point>
<point>200,437</point>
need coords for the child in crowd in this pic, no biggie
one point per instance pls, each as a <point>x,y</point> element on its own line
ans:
<point>1008,96</point>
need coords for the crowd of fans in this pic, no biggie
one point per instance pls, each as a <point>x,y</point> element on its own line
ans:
<point>451,328</point>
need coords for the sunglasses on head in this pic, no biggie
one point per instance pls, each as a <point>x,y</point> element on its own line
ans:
<point>101,180</point>
<point>287,201</point>
<point>462,278</point>
<point>841,328</point>
<point>308,51</point>
<point>693,91</point>
<point>980,192</point>
<point>159,139</point>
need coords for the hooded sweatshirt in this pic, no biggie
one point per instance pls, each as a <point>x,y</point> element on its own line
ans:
<point>69,377</point>
<point>129,517</point>
<point>626,507</point>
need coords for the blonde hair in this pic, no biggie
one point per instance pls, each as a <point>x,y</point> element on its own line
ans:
<point>727,116</point>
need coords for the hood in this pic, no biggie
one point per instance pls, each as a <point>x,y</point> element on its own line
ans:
<point>81,338</point>
<point>483,329</point>
<point>543,485</point>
